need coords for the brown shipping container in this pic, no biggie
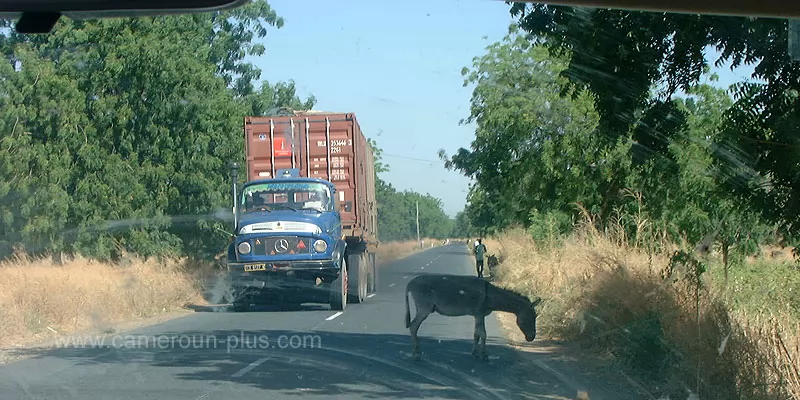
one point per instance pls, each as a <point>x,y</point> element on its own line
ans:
<point>328,146</point>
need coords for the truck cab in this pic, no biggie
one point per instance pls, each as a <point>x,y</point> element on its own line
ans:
<point>288,239</point>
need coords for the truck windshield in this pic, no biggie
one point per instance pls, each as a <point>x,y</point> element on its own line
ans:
<point>286,196</point>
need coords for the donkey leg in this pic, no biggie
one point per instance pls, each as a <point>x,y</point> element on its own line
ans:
<point>480,338</point>
<point>476,337</point>
<point>414,328</point>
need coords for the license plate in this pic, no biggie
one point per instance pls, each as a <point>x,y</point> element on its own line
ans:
<point>255,267</point>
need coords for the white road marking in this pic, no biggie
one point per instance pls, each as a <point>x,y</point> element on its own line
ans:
<point>392,284</point>
<point>334,316</point>
<point>249,368</point>
<point>371,295</point>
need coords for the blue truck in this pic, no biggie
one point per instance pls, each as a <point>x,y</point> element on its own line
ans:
<point>305,219</point>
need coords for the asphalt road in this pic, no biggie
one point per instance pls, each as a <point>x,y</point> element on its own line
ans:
<point>363,352</point>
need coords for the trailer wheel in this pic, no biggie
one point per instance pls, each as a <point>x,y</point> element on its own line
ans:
<point>338,290</point>
<point>359,277</point>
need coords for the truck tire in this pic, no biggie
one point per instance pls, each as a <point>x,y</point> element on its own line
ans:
<point>370,272</point>
<point>359,275</point>
<point>373,274</point>
<point>365,271</point>
<point>338,290</point>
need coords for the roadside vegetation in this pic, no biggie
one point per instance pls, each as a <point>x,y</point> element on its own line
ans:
<point>610,298</point>
<point>653,209</point>
<point>40,300</point>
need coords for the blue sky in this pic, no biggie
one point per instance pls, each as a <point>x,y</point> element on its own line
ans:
<point>398,67</point>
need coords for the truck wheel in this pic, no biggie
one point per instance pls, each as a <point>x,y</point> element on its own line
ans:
<point>338,296</point>
<point>373,274</point>
<point>363,288</point>
<point>358,279</point>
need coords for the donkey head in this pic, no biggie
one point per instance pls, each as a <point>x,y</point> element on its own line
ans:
<point>526,320</point>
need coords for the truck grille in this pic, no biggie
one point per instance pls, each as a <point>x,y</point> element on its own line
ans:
<point>275,245</point>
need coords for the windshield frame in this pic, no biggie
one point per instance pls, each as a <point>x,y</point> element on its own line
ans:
<point>286,188</point>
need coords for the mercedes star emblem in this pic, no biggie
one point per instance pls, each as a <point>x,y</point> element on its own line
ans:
<point>281,245</point>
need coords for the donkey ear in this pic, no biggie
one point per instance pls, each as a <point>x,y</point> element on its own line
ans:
<point>536,302</point>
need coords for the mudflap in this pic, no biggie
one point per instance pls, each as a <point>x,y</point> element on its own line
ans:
<point>359,271</point>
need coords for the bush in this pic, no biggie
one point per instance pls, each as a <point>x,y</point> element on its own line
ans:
<point>547,229</point>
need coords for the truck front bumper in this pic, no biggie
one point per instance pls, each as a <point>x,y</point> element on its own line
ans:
<point>282,275</point>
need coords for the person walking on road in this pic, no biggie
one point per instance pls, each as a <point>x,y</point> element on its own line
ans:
<point>480,251</point>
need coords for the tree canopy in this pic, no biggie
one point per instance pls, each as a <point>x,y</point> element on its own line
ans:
<point>552,141</point>
<point>118,132</point>
<point>633,63</point>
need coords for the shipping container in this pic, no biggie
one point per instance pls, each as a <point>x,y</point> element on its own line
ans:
<point>328,146</point>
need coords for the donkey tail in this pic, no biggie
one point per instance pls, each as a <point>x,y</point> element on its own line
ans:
<point>408,311</point>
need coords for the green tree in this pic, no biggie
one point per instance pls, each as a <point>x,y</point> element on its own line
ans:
<point>620,56</point>
<point>534,151</point>
<point>539,151</point>
<point>462,226</point>
<point>120,130</point>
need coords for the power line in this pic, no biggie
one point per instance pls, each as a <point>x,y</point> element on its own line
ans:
<point>410,158</point>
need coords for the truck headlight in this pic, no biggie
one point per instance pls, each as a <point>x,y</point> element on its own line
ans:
<point>244,248</point>
<point>320,246</point>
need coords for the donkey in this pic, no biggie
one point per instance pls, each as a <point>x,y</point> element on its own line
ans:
<point>457,295</point>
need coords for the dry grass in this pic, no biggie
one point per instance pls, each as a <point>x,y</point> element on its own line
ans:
<point>610,298</point>
<point>40,300</point>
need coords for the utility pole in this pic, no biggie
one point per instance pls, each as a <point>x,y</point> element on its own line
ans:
<point>234,166</point>
<point>418,238</point>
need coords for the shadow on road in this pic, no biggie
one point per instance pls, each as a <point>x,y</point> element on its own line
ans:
<point>325,363</point>
<point>289,307</point>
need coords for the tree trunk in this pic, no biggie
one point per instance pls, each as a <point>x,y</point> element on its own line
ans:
<point>725,248</point>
